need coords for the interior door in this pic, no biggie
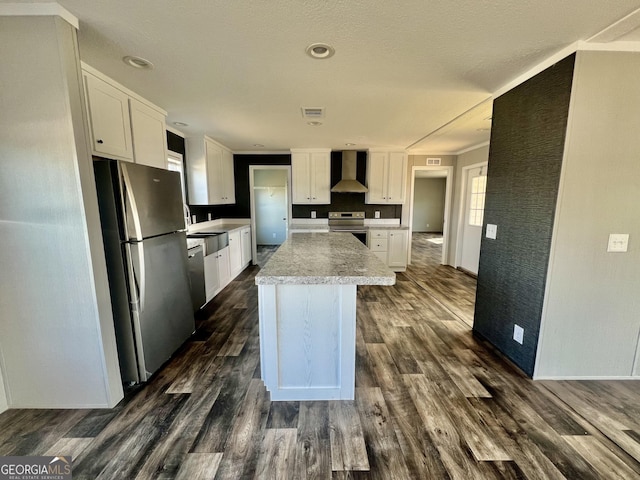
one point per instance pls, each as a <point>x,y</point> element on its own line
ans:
<point>473,218</point>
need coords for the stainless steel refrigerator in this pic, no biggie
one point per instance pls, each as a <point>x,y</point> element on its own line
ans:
<point>143,228</point>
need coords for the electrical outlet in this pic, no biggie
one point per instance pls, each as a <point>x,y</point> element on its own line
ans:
<point>618,242</point>
<point>274,235</point>
<point>518,333</point>
<point>209,216</point>
<point>377,214</point>
<point>492,231</point>
<point>313,214</point>
<point>428,225</point>
<point>194,219</point>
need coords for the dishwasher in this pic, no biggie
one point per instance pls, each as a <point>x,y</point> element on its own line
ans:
<point>196,276</point>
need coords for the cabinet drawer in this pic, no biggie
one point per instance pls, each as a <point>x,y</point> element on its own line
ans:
<point>379,245</point>
<point>378,234</point>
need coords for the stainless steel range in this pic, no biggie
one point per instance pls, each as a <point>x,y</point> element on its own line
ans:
<point>352,222</point>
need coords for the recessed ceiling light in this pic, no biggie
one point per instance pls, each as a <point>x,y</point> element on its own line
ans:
<point>259,145</point>
<point>180,124</point>
<point>320,50</point>
<point>137,62</point>
<point>314,124</point>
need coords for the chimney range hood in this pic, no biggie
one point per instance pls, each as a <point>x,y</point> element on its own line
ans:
<point>349,184</point>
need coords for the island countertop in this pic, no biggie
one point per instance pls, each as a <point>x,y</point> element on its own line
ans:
<point>324,259</point>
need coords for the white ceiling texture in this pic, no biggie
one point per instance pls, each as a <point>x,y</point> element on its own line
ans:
<point>405,74</point>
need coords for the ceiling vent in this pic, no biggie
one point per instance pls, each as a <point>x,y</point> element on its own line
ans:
<point>434,161</point>
<point>313,112</point>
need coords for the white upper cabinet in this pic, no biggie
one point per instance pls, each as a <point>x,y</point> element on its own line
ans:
<point>149,135</point>
<point>311,176</point>
<point>386,177</point>
<point>109,119</point>
<point>209,172</point>
<point>123,125</point>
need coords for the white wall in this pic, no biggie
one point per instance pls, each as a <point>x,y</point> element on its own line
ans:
<point>472,157</point>
<point>420,161</point>
<point>428,204</point>
<point>56,335</point>
<point>3,396</point>
<point>591,319</point>
<point>271,204</point>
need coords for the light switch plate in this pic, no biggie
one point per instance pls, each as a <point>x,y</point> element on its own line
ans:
<point>618,242</point>
<point>377,214</point>
<point>518,333</point>
<point>492,231</point>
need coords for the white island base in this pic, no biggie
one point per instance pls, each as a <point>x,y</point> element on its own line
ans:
<point>307,341</point>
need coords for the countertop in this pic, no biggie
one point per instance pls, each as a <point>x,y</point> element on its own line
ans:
<point>324,259</point>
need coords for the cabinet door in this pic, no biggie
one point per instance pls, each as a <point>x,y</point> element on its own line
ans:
<point>376,179</point>
<point>211,275</point>
<point>228,181</point>
<point>396,177</point>
<point>224,272</point>
<point>214,173</point>
<point>109,120</point>
<point>149,135</point>
<point>301,178</point>
<point>245,240</point>
<point>235,253</point>
<point>320,180</point>
<point>398,248</point>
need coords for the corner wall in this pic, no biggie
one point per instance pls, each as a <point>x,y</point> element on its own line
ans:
<point>56,335</point>
<point>3,395</point>
<point>525,157</point>
<point>591,319</point>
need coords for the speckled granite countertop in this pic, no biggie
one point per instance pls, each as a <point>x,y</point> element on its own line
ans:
<point>324,258</point>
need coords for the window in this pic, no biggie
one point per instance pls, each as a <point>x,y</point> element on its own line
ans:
<point>476,209</point>
<point>175,164</point>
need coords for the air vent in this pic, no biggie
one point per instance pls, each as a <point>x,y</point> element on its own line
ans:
<point>313,112</point>
<point>434,161</point>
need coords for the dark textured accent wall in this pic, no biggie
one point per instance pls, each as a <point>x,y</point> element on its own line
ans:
<point>525,158</point>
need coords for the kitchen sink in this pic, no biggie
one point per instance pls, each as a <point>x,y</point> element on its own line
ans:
<point>213,241</point>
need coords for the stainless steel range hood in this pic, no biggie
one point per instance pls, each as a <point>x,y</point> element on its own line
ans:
<point>349,184</point>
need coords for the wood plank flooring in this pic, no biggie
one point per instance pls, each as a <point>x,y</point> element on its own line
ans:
<point>432,402</point>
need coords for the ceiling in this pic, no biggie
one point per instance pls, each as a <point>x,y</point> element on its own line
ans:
<point>412,74</point>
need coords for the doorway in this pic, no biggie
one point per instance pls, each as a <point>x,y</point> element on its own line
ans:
<point>269,188</point>
<point>418,204</point>
<point>474,182</point>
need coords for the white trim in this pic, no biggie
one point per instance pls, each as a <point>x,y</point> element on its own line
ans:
<point>461,209</point>
<point>97,73</point>
<point>618,29</point>
<point>175,131</point>
<point>578,377</point>
<point>38,10</point>
<point>447,206</point>
<point>252,203</point>
<point>610,47</point>
<point>430,152</point>
<point>262,152</point>
<point>532,72</point>
<point>475,147</point>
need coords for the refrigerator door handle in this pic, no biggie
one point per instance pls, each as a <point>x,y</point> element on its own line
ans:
<point>135,214</point>
<point>137,273</point>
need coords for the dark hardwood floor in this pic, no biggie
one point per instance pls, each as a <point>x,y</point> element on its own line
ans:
<point>432,402</point>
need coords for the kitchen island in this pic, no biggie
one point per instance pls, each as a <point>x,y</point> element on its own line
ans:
<point>307,306</point>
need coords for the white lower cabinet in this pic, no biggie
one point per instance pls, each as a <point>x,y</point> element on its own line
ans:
<point>224,270</point>
<point>390,245</point>
<point>224,265</point>
<point>235,252</point>
<point>211,275</point>
<point>245,241</point>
